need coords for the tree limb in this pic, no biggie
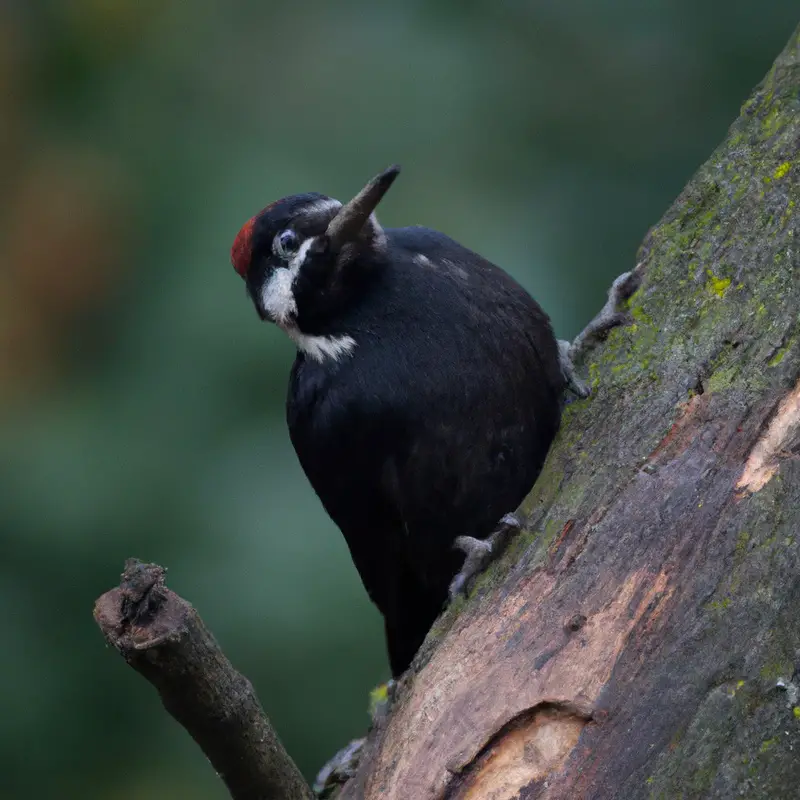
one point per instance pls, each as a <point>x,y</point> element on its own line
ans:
<point>164,639</point>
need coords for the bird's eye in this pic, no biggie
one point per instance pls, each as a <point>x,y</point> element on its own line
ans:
<point>286,242</point>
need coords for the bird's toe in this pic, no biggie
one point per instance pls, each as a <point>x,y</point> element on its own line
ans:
<point>481,552</point>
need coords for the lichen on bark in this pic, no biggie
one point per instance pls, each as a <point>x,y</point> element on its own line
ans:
<point>643,524</point>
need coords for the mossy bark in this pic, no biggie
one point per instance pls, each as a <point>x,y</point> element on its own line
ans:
<point>641,639</point>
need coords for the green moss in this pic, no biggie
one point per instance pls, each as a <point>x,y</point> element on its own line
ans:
<point>641,316</point>
<point>796,712</point>
<point>444,622</point>
<point>781,354</point>
<point>720,605</point>
<point>767,744</point>
<point>552,529</point>
<point>547,485</point>
<point>773,121</point>
<point>717,285</point>
<point>781,170</point>
<point>742,542</point>
<point>778,357</point>
<point>594,375</point>
<point>626,357</point>
<point>523,541</point>
<point>771,671</point>
<point>721,379</point>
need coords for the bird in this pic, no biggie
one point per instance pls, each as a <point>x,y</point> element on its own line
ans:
<point>426,391</point>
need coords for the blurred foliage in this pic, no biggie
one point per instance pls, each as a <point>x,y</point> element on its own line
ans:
<point>141,401</point>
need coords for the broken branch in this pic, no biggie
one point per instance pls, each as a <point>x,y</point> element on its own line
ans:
<point>164,639</point>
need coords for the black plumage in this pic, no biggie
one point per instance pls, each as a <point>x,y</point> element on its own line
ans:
<point>424,397</point>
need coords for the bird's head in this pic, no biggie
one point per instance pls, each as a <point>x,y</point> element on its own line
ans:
<point>302,257</point>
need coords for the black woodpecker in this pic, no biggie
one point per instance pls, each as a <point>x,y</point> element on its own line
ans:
<point>427,389</point>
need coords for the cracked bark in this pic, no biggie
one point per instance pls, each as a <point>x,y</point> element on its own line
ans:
<point>641,637</point>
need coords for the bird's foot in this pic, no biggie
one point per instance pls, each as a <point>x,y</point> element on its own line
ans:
<point>338,770</point>
<point>480,552</point>
<point>609,317</point>
<point>343,766</point>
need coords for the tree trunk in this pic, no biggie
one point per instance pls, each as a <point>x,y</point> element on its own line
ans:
<point>641,637</point>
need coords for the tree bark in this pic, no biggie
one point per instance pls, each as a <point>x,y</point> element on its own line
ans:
<point>163,638</point>
<point>641,639</point>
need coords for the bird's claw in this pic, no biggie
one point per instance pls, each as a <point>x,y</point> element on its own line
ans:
<point>338,770</point>
<point>609,317</point>
<point>480,552</point>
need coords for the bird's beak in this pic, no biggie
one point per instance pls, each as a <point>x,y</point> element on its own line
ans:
<point>347,224</point>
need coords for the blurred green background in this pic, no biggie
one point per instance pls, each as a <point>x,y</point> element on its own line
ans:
<point>141,401</point>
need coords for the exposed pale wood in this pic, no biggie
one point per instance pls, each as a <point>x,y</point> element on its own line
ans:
<point>641,637</point>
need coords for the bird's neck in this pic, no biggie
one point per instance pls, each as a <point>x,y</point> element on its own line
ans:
<point>321,348</point>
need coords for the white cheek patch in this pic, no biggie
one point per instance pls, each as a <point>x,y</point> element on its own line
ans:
<point>277,296</point>
<point>279,302</point>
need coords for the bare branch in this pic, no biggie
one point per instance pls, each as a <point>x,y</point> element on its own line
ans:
<point>164,639</point>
